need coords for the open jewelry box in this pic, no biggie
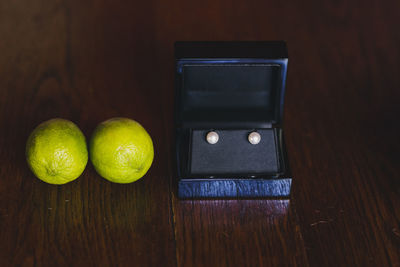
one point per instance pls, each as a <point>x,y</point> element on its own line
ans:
<point>228,119</point>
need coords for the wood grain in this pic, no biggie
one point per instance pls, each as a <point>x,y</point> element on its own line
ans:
<point>59,66</point>
<point>92,60</point>
<point>238,233</point>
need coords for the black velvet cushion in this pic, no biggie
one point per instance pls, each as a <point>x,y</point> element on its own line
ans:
<point>233,154</point>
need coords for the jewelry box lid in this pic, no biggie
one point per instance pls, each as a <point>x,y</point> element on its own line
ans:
<point>230,84</point>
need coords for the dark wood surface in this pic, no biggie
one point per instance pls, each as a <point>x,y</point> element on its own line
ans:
<point>88,61</point>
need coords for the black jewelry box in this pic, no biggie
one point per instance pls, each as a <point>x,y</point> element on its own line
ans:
<point>231,89</point>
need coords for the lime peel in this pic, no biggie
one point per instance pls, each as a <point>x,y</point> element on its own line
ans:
<point>56,151</point>
<point>121,150</point>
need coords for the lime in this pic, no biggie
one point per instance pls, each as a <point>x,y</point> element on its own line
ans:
<point>56,151</point>
<point>121,150</point>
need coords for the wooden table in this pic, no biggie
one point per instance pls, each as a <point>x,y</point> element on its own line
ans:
<point>88,61</point>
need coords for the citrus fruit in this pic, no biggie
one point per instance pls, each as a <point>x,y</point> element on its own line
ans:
<point>56,151</point>
<point>121,150</point>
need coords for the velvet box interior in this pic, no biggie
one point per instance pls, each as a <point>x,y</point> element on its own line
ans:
<point>233,89</point>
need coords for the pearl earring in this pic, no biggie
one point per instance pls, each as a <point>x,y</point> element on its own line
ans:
<point>212,137</point>
<point>254,138</point>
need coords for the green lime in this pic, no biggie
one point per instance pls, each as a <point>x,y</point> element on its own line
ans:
<point>56,151</point>
<point>121,150</point>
